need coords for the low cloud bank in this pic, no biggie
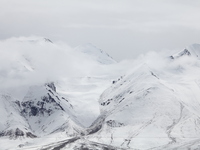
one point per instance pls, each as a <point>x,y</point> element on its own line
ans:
<point>27,61</point>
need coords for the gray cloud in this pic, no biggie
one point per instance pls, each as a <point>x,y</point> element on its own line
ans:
<point>124,29</point>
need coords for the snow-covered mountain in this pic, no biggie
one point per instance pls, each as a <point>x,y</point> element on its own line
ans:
<point>153,106</point>
<point>44,85</point>
<point>47,112</point>
<point>12,124</point>
<point>192,50</point>
<point>55,97</point>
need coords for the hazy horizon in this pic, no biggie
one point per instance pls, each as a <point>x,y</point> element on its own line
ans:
<point>123,29</point>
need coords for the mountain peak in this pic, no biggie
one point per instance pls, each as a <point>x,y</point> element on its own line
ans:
<point>96,53</point>
<point>184,52</point>
<point>191,50</point>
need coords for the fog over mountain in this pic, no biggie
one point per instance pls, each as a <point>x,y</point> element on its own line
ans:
<point>124,29</point>
<point>53,96</point>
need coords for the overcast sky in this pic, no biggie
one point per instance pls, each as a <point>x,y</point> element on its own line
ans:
<point>123,28</point>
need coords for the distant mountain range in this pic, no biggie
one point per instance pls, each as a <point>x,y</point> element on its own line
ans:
<point>56,97</point>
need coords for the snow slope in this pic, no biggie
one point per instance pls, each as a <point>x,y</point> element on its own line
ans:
<point>55,97</point>
<point>95,53</point>
<point>35,61</point>
<point>192,50</point>
<point>47,112</point>
<point>12,124</point>
<point>47,95</point>
<point>153,106</point>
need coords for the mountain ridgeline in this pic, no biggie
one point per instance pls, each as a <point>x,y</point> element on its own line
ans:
<point>83,99</point>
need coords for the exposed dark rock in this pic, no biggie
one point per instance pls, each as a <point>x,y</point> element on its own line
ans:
<point>13,134</point>
<point>95,129</point>
<point>96,125</point>
<point>34,111</point>
<point>106,102</point>
<point>154,75</point>
<point>121,100</point>
<point>40,107</point>
<point>64,99</point>
<point>18,103</point>
<point>52,86</point>
<point>113,123</point>
<point>48,40</point>
<point>185,52</point>
<point>182,53</point>
<point>50,92</point>
<point>30,135</point>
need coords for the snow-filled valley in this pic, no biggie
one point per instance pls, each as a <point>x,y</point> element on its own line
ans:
<point>56,97</point>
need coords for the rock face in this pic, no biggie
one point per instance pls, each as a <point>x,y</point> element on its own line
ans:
<point>182,53</point>
<point>51,86</point>
<point>31,106</point>
<point>17,133</point>
<point>13,124</point>
<point>47,112</point>
<point>192,50</point>
<point>41,112</point>
<point>35,110</point>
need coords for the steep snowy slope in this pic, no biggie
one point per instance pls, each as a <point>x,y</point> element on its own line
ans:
<point>47,112</point>
<point>36,61</point>
<point>152,106</point>
<point>12,124</point>
<point>54,94</point>
<point>84,92</point>
<point>192,50</point>
<point>52,84</point>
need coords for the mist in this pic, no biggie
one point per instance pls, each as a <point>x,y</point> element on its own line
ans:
<point>123,29</point>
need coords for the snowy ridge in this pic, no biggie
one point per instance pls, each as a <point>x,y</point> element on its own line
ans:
<point>12,124</point>
<point>150,108</point>
<point>80,103</point>
<point>97,54</point>
<point>36,107</point>
<point>42,105</point>
<point>192,50</point>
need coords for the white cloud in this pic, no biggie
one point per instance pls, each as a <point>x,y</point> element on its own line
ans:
<point>78,22</point>
<point>32,61</point>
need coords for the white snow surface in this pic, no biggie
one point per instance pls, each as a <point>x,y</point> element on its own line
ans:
<point>81,98</point>
<point>95,53</point>
<point>153,105</point>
